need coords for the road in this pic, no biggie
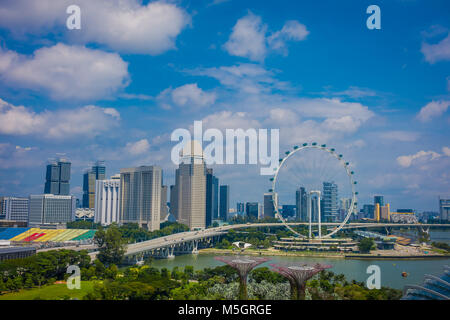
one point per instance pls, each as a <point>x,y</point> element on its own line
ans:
<point>195,235</point>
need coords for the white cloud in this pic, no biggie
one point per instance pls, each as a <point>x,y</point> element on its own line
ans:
<point>446,151</point>
<point>188,95</point>
<point>230,120</point>
<point>66,72</point>
<point>356,92</point>
<point>421,156</point>
<point>283,116</point>
<point>291,31</point>
<point>61,124</point>
<point>248,38</point>
<point>17,157</point>
<point>252,88</point>
<point>246,77</point>
<point>437,52</point>
<point>138,147</point>
<point>398,135</point>
<point>433,109</point>
<point>122,25</point>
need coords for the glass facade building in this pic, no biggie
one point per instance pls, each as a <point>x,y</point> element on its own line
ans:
<point>57,177</point>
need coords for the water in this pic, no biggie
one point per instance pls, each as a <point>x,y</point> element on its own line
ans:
<point>352,269</point>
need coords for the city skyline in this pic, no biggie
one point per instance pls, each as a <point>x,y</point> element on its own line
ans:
<point>380,97</point>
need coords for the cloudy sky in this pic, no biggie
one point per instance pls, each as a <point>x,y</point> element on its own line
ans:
<point>116,89</point>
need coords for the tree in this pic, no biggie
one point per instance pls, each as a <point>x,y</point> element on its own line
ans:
<point>366,244</point>
<point>111,245</point>
<point>189,271</point>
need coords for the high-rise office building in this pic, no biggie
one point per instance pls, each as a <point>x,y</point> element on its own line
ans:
<point>107,196</point>
<point>190,188</point>
<point>14,209</point>
<point>301,204</point>
<point>379,200</point>
<point>288,211</point>
<point>57,177</point>
<point>330,202</point>
<point>173,202</point>
<point>224,203</point>
<point>252,210</point>
<point>269,208</point>
<point>140,196</point>
<point>164,210</point>
<point>444,209</point>
<point>51,209</point>
<point>97,172</point>
<point>368,211</point>
<point>240,208</point>
<point>215,188</point>
<point>212,185</point>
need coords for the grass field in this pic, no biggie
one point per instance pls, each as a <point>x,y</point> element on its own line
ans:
<point>50,292</point>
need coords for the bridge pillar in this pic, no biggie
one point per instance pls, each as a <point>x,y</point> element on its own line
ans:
<point>170,252</point>
<point>195,247</point>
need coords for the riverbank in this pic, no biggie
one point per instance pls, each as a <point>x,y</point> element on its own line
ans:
<point>274,252</point>
<point>398,253</point>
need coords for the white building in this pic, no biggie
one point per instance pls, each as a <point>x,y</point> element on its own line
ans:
<point>14,209</point>
<point>51,209</point>
<point>107,196</point>
<point>140,196</point>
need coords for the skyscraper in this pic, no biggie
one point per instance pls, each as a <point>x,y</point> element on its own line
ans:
<point>240,207</point>
<point>269,208</point>
<point>97,172</point>
<point>164,211</point>
<point>252,210</point>
<point>140,196</point>
<point>379,200</point>
<point>215,204</point>
<point>224,202</point>
<point>57,177</point>
<point>330,202</point>
<point>107,195</point>
<point>190,188</point>
<point>211,196</point>
<point>301,204</point>
<point>173,202</point>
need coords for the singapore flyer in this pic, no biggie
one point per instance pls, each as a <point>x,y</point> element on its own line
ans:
<point>314,184</point>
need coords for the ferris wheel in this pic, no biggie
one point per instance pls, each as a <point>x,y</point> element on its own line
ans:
<point>319,183</point>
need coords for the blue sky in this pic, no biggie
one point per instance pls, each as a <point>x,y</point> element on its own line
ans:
<point>117,88</point>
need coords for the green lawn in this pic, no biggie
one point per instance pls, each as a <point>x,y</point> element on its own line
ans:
<point>50,292</point>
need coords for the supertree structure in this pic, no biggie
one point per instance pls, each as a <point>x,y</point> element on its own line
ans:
<point>243,265</point>
<point>298,274</point>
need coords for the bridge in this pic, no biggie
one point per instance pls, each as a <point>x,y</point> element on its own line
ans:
<point>191,241</point>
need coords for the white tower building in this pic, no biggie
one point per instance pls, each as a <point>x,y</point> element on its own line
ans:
<point>107,195</point>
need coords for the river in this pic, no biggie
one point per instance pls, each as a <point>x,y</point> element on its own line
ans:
<point>352,269</point>
<point>391,270</point>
